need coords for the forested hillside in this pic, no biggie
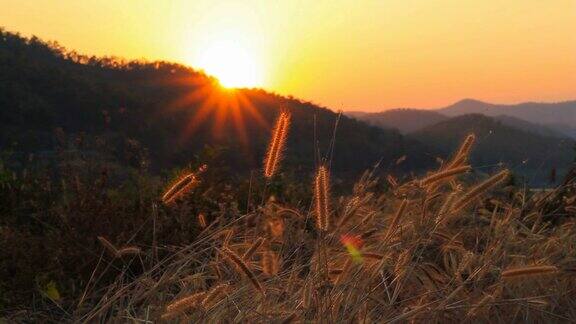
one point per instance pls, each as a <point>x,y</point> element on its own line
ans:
<point>168,114</point>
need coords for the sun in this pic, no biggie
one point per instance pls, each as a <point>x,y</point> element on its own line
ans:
<point>233,64</point>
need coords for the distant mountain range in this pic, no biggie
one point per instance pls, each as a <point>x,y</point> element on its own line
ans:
<point>531,138</point>
<point>549,131</point>
<point>545,113</point>
<point>527,153</point>
<point>405,120</point>
<point>560,116</point>
<point>551,119</point>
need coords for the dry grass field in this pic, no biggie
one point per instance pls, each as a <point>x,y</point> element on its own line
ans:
<point>434,249</point>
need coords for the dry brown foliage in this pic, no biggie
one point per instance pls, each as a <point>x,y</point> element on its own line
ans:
<point>423,251</point>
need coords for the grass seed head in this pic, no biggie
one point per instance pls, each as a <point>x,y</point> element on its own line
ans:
<point>277,144</point>
<point>321,198</point>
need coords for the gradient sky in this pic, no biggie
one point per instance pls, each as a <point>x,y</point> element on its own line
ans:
<point>357,55</point>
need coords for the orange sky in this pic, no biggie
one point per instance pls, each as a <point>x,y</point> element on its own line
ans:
<point>359,55</point>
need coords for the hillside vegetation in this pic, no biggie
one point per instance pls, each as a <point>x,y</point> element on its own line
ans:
<point>174,113</point>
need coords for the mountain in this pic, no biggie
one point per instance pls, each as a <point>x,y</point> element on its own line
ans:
<point>467,106</point>
<point>166,115</point>
<point>560,116</point>
<point>564,129</point>
<point>526,126</point>
<point>551,119</point>
<point>531,155</point>
<point>356,114</point>
<point>405,120</point>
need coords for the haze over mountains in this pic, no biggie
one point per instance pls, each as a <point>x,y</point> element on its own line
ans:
<point>557,119</point>
<point>545,113</point>
<point>530,154</point>
<point>534,139</point>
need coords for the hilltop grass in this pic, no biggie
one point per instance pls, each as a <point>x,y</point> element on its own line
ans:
<point>434,249</point>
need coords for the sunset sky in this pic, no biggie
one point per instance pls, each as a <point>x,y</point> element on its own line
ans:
<point>356,55</point>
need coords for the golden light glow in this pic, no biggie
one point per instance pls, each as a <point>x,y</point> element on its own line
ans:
<point>226,112</point>
<point>231,63</point>
<point>344,54</point>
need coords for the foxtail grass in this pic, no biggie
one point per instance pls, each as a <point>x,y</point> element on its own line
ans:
<point>108,246</point>
<point>248,254</point>
<point>202,220</point>
<point>478,190</point>
<point>528,271</point>
<point>214,294</point>
<point>243,267</point>
<point>321,198</point>
<point>277,144</point>
<point>182,186</point>
<point>183,304</point>
<point>438,176</point>
<point>463,152</point>
<point>270,264</point>
<point>129,250</point>
<point>396,219</point>
<point>118,253</point>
